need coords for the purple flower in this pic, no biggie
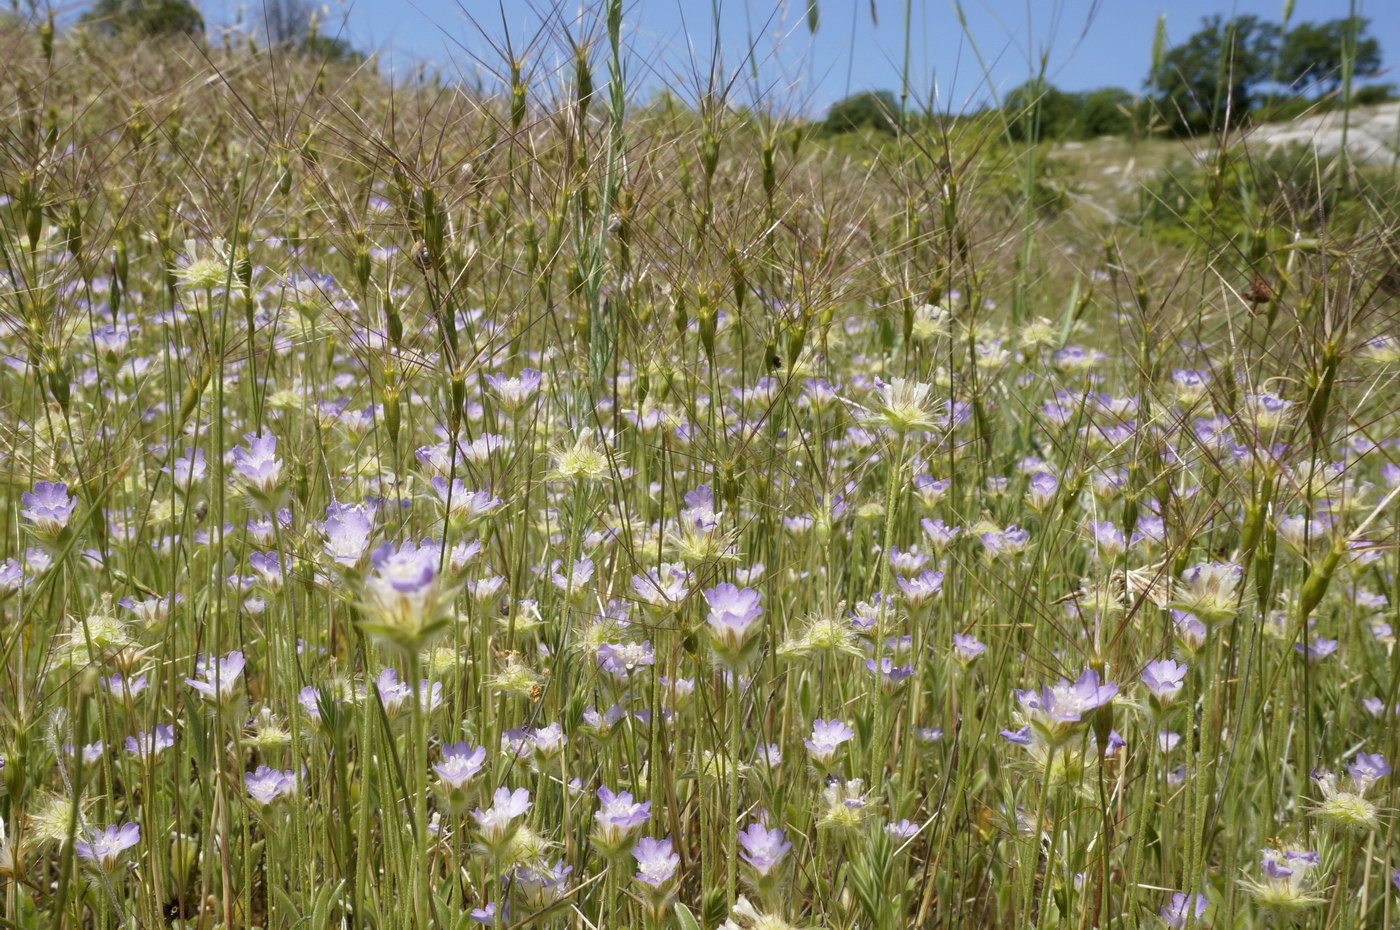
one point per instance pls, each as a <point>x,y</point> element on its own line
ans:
<point>734,612</point>
<point>1040,490</point>
<point>966,649</point>
<point>940,534</point>
<point>266,785</point>
<point>216,678</point>
<point>187,470</point>
<point>664,586</point>
<point>827,737</point>
<point>48,506</point>
<point>461,503</point>
<point>902,830</point>
<point>656,862</point>
<point>1061,706</point>
<point>1368,768</point>
<point>622,659</point>
<point>488,915</point>
<point>921,588</point>
<point>347,529</point>
<point>887,673</point>
<point>1178,911</point>
<point>576,578</point>
<point>1164,679</point>
<point>1316,650</point>
<point>146,744</point>
<point>618,818</point>
<point>497,823</point>
<point>258,466</point>
<point>104,847</point>
<point>762,848</point>
<point>460,763</point>
<point>514,392</point>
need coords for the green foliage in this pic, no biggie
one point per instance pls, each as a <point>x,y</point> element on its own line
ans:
<point>1315,54</point>
<point>1220,76</point>
<point>1037,110</point>
<point>145,17</point>
<point>1211,80</point>
<point>875,110</point>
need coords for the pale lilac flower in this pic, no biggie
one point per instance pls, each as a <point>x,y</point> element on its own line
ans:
<point>827,737</point>
<point>124,688</point>
<point>187,470</point>
<point>887,673</point>
<point>902,830</point>
<point>1178,912</point>
<point>622,659</point>
<point>910,562</point>
<point>258,466</point>
<point>347,530</point>
<point>217,678</point>
<point>1059,708</point>
<point>104,847</point>
<point>664,586</point>
<point>577,577</point>
<point>967,649</point>
<point>48,507</point>
<point>1040,490</point>
<point>921,588</point>
<point>618,818</point>
<point>1164,679</point>
<point>1317,649</point>
<point>514,392</point>
<point>266,785</point>
<point>460,763</point>
<point>497,823</point>
<point>762,849</point>
<point>146,744</point>
<point>734,614</point>
<point>656,862</point>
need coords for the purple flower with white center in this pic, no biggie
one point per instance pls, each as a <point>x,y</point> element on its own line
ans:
<point>966,649</point>
<point>762,848</point>
<point>1040,490</point>
<point>1167,740</point>
<point>1021,737</point>
<point>1009,541</point>
<point>215,678</point>
<point>827,737</point>
<point>656,862</point>
<point>539,888</point>
<point>664,586</point>
<point>618,817</point>
<point>1178,912</point>
<point>270,567</point>
<point>1108,538</point>
<point>266,785</point>
<point>603,722</point>
<point>1164,679</point>
<point>577,578</point>
<point>900,830</point>
<point>940,534</point>
<point>1061,707</point>
<point>403,594</point>
<point>889,675</point>
<point>489,915</point>
<point>105,846</point>
<point>1317,649</point>
<point>124,688</point>
<point>768,755</point>
<point>461,503</point>
<point>549,740</point>
<point>460,763</point>
<point>1367,769</point>
<point>1190,632</point>
<point>48,507</point>
<point>393,694</point>
<point>734,614</point>
<point>620,660</point>
<point>908,563</point>
<point>1209,590</point>
<point>921,588</point>
<point>188,470</point>
<point>497,824</point>
<point>148,744</point>
<point>347,530</point>
<point>514,392</point>
<point>258,466</point>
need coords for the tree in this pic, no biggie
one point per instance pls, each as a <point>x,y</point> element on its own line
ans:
<point>293,24</point>
<point>870,110</point>
<point>145,17</point>
<point>1108,111</point>
<point>1315,53</point>
<point>1039,110</point>
<point>1213,77</point>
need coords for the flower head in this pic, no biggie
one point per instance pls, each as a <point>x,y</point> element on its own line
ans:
<point>48,507</point>
<point>656,862</point>
<point>105,846</point>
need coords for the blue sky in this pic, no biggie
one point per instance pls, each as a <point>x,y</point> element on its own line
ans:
<point>1090,43</point>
